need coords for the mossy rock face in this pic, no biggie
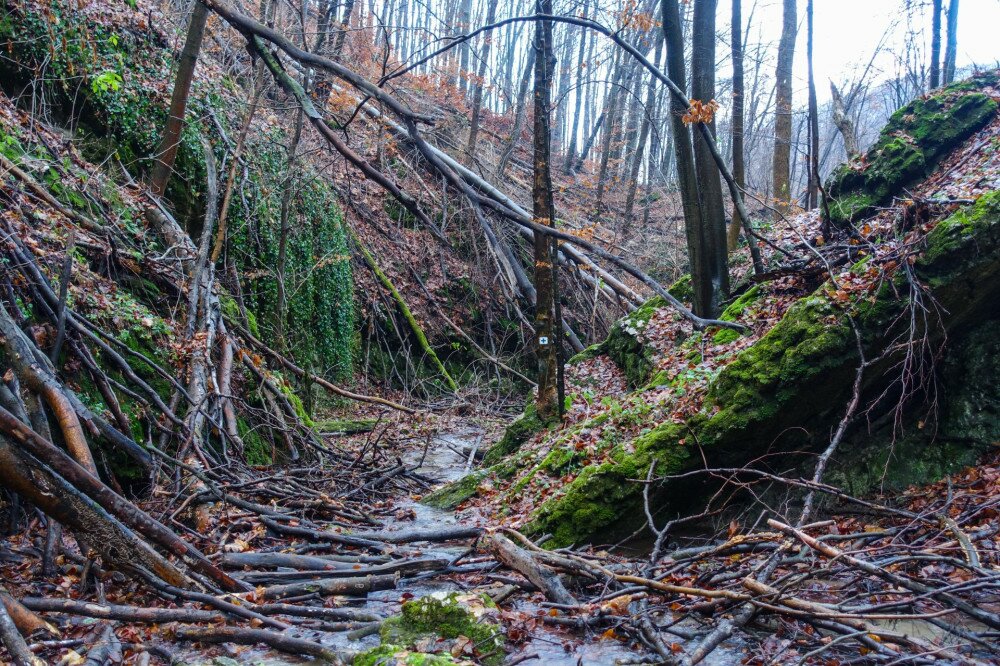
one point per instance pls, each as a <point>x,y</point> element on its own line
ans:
<point>625,348</point>
<point>681,289</point>
<point>961,241</point>
<point>787,390</point>
<point>734,311</point>
<point>517,433</point>
<point>603,498</point>
<point>968,424</point>
<point>915,139</point>
<point>593,351</point>
<point>436,623</point>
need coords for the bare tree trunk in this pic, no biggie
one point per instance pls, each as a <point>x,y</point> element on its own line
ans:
<point>843,123</point>
<point>522,95</point>
<point>59,499</point>
<point>477,89</point>
<point>712,285</point>
<point>936,9</point>
<point>647,118</point>
<point>589,144</point>
<point>812,187</point>
<point>781,162</point>
<point>546,401</point>
<point>695,215</point>
<point>951,48</point>
<point>574,127</point>
<point>562,98</point>
<point>464,52</point>
<point>345,22</point>
<point>739,164</point>
<point>167,152</point>
<point>609,133</point>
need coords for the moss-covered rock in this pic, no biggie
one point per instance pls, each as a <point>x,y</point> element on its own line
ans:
<point>912,143</point>
<point>517,433</point>
<point>603,497</point>
<point>624,344</point>
<point>453,494</point>
<point>733,312</point>
<point>396,655</point>
<point>681,289</point>
<point>789,388</point>
<point>436,622</point>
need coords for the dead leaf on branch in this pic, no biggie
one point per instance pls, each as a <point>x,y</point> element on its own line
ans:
<point>700,112</point>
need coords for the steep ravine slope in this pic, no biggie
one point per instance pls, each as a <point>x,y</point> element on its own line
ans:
<point>912,287</point>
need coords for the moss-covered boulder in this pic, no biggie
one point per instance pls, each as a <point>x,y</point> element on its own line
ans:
<point>517,433</point>
<point>912,143</point>
<point>441,626</point>
<point>396,655</point>
<point>788,389</point>
<point>451,495</point>
<point>625,345</point>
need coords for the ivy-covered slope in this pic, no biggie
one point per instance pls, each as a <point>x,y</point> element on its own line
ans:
<point>107,75</point>
<point>657,398</point>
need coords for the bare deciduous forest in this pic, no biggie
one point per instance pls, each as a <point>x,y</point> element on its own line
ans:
<point>429,332</point>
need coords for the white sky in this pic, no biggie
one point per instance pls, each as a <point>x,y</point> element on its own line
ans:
<point>848,31</point>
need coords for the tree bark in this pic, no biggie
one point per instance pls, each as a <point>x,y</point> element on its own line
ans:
<point>951,47</point>
<point>167,152</point>
<point>515,133</point>
<point>59,499</point>
<point>543,212</point>
<point>739,163</point>
<point>574,125</point>
<point>477,85</point>
<point>844,123</point>
<point>11,639</point>
<point>935,69</point>
<point>698,179</point>
<point>713,283</point>
<point>781,161</point>
<point>812,187</point>
<point>345,22</point>
<point>648,116</point>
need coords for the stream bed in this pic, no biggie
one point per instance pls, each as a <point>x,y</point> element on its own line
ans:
<point>446,458</point>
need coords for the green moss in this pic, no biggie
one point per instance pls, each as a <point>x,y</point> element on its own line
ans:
<point>606,497</point>
<point>517,433</point>
<point>256,449</point>
<point>961,239</point>
<point>734,312</point>
<point>453,494</point>
<point>624,347</point>
<point>345,426</point>
<point>396,655</point>
<point>681,289</point>
<point>443,618</point>
<point>851,206</point>
<point>81,54</point>
<point>802,350</point>
<point>593,351</point>
<point>912,143</point>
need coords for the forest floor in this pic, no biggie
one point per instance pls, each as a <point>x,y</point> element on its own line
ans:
<point>327,572</point>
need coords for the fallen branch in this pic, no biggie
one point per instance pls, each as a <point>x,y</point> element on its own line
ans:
<point>523,562</point>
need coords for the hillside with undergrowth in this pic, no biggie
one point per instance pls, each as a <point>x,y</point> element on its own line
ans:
<point>261,412</point>
<point>904,293</point>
